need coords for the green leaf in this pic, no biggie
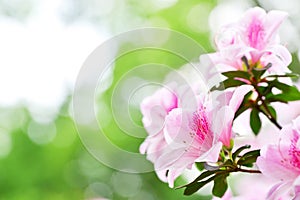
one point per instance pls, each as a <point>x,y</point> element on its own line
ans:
<point>220,185</point>
<point>244,105</point>
<point>237,74</point>
<point>202,176</point>
<point>205,175</point>
<point>284,97</point>
<point>291,75</point>
<point>288,92</point>
<point>276,98</point>
<point>272,111</point>
<point>239,150</point>
<point>249,158</point>
<point>264,90</point>
<point>285,88</point>
<point>200,165</point>
<point>192,188</point>
<point>255,121</point>
<point>258,72</point>
<point>228,83</point>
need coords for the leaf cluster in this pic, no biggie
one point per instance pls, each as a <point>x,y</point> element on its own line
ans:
<point>218,174</point>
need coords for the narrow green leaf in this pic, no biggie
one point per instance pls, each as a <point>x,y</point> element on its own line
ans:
<point>258,72</point>
<point>191,189</point>
<point>291,96</point>
<point>255,121</point>
<point>194,188</point>
<point>288,92</point>
<point>279,85</point>
<point>275,98</point>
<point>220,185</point>
<point>272,111</point>
<point>205,175</point>
<point>263,90</point>
<point>245,105</point>
<point>228,83</point>
<point>291,75</point>
<point>239,150</point>
<point>237,74</point>
<point>249,158</point>
<point>202,176</point>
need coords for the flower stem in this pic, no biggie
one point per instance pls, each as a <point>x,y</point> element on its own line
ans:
<point>252,171</point>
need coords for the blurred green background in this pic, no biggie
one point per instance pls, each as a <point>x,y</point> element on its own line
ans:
<point>44,158</point>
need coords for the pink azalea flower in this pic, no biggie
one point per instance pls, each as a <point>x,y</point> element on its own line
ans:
<point>282,163</point>
<point>186,133</point>
<point>254,36</point>
<point>154,109</point>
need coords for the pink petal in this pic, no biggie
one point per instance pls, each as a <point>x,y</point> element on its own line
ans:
<point>296,186</point>
<point>227,37</point>
<point>154,109</point>
<point>271,164</point>
<point>279,57</point>
<point>173,174</point>
<point>286,135</point>
<point>168,158</point>
<point>161,173</point>
<point>280,191</point>
<point>255,12</point>
<point>212,155</point>
<point>176,129</point>
<point>219,62</point>
<point>238,96</point>
<point>255,29</point>
<point>296,124</point>
<point>273,20</point>
<point>175,162</point>
<point>222,124</point>
<point>154,145</point>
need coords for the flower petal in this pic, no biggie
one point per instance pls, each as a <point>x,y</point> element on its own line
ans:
<point>271,164</point>
<point>238,96</point>
<point>273,20</point>
<point>222,125</point>
<point>279,57</point>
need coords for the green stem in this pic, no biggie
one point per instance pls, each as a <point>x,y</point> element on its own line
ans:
<point>252,171</point>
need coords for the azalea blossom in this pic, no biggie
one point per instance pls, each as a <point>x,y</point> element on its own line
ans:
<point>282,163</point>
<point>254,36</point>
<point>185,128</point>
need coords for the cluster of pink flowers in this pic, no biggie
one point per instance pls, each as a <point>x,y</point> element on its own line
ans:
<point>181,134</point>
<point>185,126</point>
<point>256,37</point>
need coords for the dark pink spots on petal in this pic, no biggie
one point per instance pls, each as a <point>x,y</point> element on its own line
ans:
<point>200,125</point>
<point>256,34</point>
<point>294,152</point>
